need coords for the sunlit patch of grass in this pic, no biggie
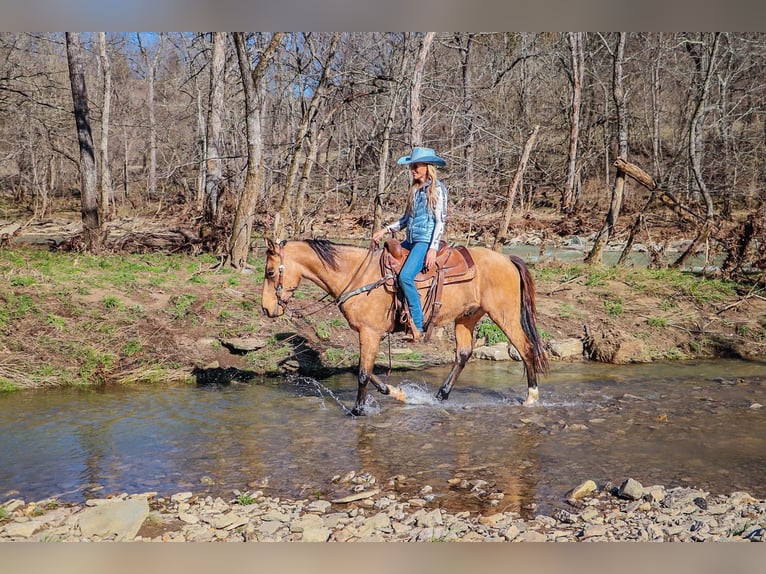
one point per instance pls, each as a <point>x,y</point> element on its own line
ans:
<point>613,306</point>
<point>598,276</point>
<point>111,302</point>
<point>488,330</point>
<point>8,386</point>
<point>560,272</point>
<point>132,347</point>
<point>660,322</point>
<point>181,305</point>
<point>57,323</point>
<point>323,330</point>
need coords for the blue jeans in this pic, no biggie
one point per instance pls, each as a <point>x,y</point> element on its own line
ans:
<point>412,266</point>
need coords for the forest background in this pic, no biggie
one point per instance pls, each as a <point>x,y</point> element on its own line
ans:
<point>296,134</point>
<point>205,143</point>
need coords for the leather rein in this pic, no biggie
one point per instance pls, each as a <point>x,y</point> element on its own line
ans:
<point>340,299</point>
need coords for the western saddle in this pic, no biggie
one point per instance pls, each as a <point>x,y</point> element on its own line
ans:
<point>454,264</point>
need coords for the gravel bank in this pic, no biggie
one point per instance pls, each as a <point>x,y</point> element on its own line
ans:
<point>628,512</point>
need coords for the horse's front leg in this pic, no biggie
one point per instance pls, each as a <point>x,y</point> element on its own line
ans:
<point>463,350</point>
<point>369,343</point>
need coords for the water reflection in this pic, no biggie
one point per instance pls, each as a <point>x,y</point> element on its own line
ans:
<point>692,423</point>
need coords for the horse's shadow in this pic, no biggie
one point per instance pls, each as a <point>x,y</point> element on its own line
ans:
<point>302,359</point>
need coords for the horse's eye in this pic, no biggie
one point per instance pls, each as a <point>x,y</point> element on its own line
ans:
<point>270,273</point>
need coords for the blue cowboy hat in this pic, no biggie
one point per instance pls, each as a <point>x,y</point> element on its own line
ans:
<point>422,155</point>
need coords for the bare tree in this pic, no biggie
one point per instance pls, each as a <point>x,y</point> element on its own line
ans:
<point>105,181</point>
<point>385,147</point>
<point>618,93</point>
<point>92,230</point>
<point>465,42</point>
<point>578,64</point>
<point>303,135</point>
<point>252,83</point>
<point>213,172</point>
<point>705,63</point>
<point>416,138</point>
<point>513,190</point>
<point>152,64</point>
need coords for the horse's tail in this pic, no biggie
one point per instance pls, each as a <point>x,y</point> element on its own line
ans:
<point>528,316</point>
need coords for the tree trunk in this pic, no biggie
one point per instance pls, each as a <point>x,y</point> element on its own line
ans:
<point>151,72</point>
<point>416,138</point>
<point>618,93</point>
<point>513,189</point>
<point>239,242</point>
<point>695,155</point>
<point>577,57</point>
<point>469,150</point>
<point>91,222</point>
<point>213,166</point>
<point>105,183</point>
<point>377,218</point>
<point>302,139</point>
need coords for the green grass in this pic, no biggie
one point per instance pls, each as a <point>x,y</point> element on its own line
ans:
<point>181,305</point>
<point>613,307</point>
<point>244,499</point>
<point>490,332</point>
<point>111,302</point>
<point>8,386</point>
<point>660,322</point>
<point>336,357</point>
<point>323,330</point>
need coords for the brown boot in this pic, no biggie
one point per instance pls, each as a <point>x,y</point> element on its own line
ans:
<point>413,335</point>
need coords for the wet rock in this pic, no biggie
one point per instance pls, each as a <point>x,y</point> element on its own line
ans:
<point>631,489</point>
<point>582,490</point>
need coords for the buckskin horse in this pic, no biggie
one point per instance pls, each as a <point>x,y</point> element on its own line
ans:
<point>501,287</point>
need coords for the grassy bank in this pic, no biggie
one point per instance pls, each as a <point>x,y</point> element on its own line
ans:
<point>77,320</point>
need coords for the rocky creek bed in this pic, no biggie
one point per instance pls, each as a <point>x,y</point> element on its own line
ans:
<point>374,512</point>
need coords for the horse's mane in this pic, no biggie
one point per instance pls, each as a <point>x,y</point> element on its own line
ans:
<point>327,251</point>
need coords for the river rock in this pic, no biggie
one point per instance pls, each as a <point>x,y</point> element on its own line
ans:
<point>244,344</point>
<point>583,490</point>
<point>23,529</point>
<point>120,519</point>
<point>631,489</point>
<point>497,352</point>
<point>571,348</point>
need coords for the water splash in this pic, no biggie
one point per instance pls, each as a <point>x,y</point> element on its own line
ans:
<point>307,383</point>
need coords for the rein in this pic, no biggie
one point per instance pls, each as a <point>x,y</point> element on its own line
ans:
<point>344,295</point>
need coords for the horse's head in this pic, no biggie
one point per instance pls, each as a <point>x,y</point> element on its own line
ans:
<point>280,281</point>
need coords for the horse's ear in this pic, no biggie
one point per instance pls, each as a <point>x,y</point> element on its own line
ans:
<point>271,246</point>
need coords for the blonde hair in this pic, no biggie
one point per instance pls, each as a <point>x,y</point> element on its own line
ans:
<point>431,170</point>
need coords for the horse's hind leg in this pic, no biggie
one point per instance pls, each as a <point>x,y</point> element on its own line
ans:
<point>515,333</point>
<point>463,350</point>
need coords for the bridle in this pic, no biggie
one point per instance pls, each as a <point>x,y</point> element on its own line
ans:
<point>340,299</point>
<point>280,278</point>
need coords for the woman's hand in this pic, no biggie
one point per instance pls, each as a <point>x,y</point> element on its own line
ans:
<point>378,235</point>
<point>430,259</point>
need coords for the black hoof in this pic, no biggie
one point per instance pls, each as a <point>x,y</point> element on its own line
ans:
<point>357,412</point>
<point>440,396</point>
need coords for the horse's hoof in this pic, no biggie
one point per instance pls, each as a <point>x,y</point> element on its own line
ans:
<point>397,393</point>
<point>533,395</point>
<point>357,412</point>
<point>440,396</point>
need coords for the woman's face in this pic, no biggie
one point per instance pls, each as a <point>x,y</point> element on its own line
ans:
<point>419,172</point>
